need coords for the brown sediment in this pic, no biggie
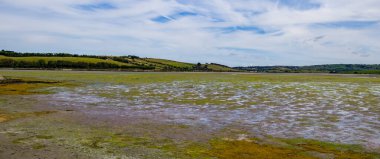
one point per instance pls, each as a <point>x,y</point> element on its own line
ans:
<point>11,116</point>
<point>3,118</point>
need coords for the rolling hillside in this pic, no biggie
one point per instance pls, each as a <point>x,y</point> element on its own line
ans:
<point>72,59</point>
<point>10,59</point>
<point>331,68</point>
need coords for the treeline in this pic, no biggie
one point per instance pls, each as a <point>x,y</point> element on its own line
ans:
<point>123,59</point>
<point>218,64</point>
<point>176,68</point>
<point>200,67</point>
<point>333,68</point>
<point>61,64</point>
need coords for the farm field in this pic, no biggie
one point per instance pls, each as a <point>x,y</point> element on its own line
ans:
<point>59,61</point>
<point>72,59</point>
<point>69,114</point>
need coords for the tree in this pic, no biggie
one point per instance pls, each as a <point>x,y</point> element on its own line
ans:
<point>41,63</point>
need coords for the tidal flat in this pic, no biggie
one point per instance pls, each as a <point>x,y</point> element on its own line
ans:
<point>79,114</point>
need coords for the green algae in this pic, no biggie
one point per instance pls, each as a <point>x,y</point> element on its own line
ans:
<point>234,148</point>
<point>38,146</point>
<point>108,142</point>
<point>29,86</point>
<point>288,148</point>
<point>44,137</point>
<point>35,142</point>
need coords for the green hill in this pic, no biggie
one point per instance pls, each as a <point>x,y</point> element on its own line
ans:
<point>220,68</point>
<point>11,59</point>
<point>71,59</point>
<point>331,68</point>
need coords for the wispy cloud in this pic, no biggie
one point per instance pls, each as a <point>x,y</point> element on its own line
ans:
<point>299,4</point>
<point>231,29</point>
<point>348,24</point>
<point>95,6</point>
<point>246,50</point>
<point>175,16</point>
<point>233,32</point>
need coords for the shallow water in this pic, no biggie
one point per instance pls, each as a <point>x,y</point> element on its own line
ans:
<point>329,111</point>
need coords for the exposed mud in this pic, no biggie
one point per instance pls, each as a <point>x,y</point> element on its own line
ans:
<point>191,119</point>
<point>338,112</point>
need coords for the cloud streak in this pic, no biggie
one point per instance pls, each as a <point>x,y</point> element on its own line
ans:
<point>287,32</point>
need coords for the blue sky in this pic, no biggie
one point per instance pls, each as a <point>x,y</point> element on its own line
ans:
<point>231,32</point>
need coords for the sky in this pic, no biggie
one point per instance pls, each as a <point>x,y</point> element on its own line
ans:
<point>230,32</point>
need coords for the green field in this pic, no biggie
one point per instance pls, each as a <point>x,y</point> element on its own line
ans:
<point>169,62</point>
<point>10,59</point>
<point>72,114</point>
<point>72,59</point>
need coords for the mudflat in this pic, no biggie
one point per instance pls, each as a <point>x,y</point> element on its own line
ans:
<point>69,114</point>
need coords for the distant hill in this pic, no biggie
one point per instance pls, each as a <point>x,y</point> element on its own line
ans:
<point>332,68</point>
<point>11,59</point>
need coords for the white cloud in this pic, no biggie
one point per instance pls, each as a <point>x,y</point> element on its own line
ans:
<point>60,26</point>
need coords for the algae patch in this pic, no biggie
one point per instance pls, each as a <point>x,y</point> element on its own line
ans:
<point>285,148</point>
<point>35,142</point>
<point>10,86</point>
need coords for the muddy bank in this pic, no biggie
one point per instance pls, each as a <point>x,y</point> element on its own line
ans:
<point>17,86</point>
<point>4,80</point>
